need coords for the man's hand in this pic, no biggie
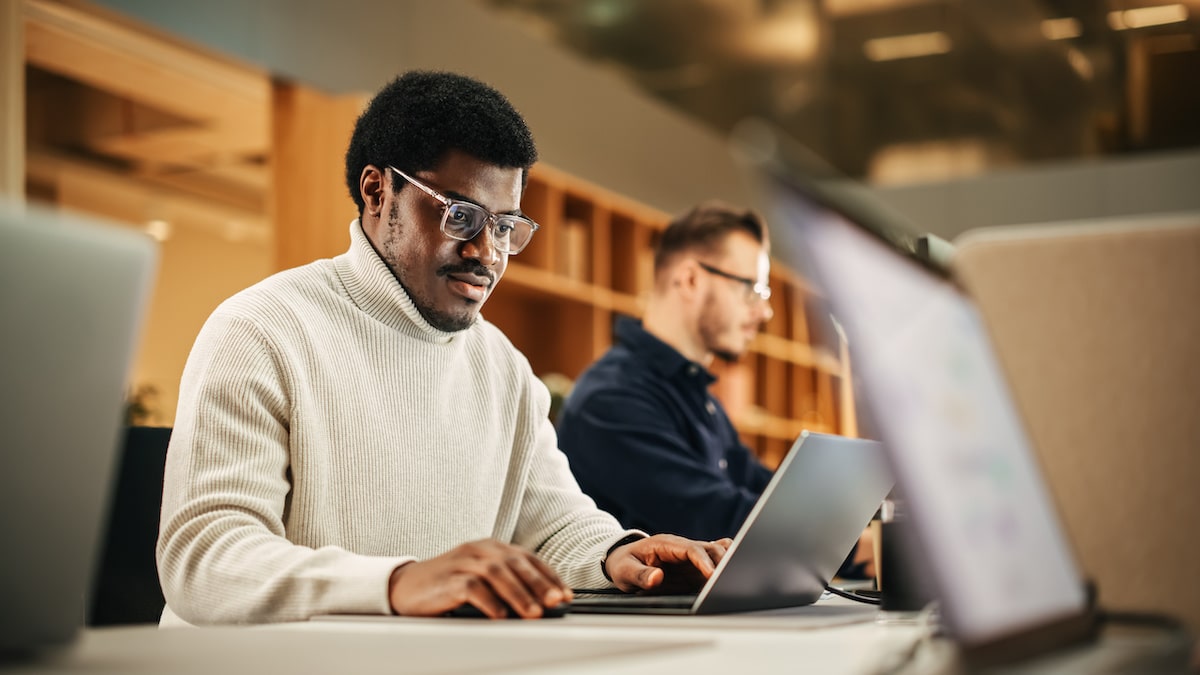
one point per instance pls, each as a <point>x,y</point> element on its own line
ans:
<point>487,574</point>
<point>665,563</point>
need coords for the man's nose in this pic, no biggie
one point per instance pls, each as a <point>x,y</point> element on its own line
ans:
<point>764,311</point>
<point>482,247</point>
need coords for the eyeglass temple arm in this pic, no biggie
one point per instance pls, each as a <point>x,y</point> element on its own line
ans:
<point>422,187</point>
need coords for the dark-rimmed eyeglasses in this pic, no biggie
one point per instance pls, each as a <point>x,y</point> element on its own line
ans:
<point>754,291</point>
<point>464,220</point>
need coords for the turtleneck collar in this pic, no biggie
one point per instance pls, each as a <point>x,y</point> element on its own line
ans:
<point>376,291</point>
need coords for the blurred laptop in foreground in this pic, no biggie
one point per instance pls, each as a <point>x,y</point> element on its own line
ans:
<point>988,536</point>
<point>72,294</point>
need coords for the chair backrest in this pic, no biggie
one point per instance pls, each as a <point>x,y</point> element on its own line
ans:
<point>126,589</point>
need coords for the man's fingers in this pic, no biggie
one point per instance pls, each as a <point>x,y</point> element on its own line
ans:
<point>508,585</point>
<point>480,594</point>
<point>541,581</point>
<point>706,555</point>
<point>717,549</point>
<point>664,560</point>
<point>650,577</point>
<point>699,555</point>
<point>550,575</point>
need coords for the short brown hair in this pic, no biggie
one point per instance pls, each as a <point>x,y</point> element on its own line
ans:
<point>704,229</point>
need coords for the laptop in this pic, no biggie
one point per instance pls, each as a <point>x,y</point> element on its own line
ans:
<point>808,518</point>
<point>72,294</point>
<point>987,536</point>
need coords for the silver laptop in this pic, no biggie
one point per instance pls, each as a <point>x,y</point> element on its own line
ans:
<point>988,536</point>
<point>72,295</point>
<point>812,512</point>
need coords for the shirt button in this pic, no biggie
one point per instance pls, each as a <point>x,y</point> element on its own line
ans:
<point>710,407</point>
<point>693,369</point>
<point>724,464</point>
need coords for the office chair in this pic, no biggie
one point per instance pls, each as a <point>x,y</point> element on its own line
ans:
<point>126,589</point>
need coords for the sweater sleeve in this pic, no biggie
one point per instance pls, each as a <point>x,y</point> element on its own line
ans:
<point>557,520</point>
<point>223,554</point>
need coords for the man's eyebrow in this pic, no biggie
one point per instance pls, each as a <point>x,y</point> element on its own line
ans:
<point>463,198</point>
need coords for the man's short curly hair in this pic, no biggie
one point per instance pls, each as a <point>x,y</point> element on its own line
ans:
<point>420,116</point>
<point>703,230</point>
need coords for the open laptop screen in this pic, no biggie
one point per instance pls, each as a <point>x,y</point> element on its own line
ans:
<point>987,528</point>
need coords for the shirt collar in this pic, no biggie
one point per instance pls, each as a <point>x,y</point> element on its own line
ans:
<point>657,354</point>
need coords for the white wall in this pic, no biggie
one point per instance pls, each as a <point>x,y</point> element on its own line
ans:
<point>1085,190</point>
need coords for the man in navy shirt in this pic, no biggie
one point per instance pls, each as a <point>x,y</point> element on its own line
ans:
<point>644,436</point>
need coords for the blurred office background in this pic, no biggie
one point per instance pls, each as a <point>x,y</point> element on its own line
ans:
<point>217,126</point>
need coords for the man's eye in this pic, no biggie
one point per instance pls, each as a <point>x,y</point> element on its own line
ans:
<point>503,228</point>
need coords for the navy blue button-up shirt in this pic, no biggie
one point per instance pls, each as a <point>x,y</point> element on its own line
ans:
<point>652,446</point>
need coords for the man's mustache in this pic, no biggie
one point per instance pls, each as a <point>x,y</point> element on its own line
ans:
<point>468,268</point>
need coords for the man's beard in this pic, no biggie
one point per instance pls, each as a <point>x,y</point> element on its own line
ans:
<point>443,321</point>
<point>711,327</point>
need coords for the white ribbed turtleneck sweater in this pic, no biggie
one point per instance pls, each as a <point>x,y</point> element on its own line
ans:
<point>327,433</point>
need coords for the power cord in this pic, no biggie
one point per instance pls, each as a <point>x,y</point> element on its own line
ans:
<point>857,596</point>
<point>1140,619</point>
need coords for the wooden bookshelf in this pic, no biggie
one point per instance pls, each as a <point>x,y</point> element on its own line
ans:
<point>592,262</point>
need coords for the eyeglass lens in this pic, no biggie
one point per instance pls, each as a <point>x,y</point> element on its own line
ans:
<point>464,221</point>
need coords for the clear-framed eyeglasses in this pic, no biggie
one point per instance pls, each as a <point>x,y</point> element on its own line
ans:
<point>754,291</point>
<point>464,220</point>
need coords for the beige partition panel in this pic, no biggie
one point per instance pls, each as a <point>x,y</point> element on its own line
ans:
<point>1098,329</point>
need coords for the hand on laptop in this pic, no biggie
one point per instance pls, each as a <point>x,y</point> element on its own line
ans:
<point>487,574</point>
<point>665,563</point>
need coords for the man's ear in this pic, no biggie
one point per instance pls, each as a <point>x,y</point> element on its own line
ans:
<point>685,277</point>
<point>371,185</point>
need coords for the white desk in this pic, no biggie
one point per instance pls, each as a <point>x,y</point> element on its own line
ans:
<point>573,644</point>
<point>828,638</point>
<point>576,644</point>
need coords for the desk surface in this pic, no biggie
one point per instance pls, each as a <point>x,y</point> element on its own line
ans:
<point>575,644</point>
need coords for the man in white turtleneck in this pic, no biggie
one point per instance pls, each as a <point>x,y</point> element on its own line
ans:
<point>353,437</point>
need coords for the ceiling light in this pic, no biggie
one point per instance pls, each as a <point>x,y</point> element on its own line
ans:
<point>907,46</point>
<point>790,36</point>
<point>1147,16</point>
<point>1062,29</point>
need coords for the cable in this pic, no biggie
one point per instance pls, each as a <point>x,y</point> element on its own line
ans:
<point>1140,619</point>
<point>850,595</point>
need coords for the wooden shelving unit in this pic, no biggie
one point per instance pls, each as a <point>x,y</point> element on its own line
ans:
<point>592,261</point>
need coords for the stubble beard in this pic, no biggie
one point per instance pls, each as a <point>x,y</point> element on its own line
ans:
<point>711,328</point>
<point>443,321</point>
